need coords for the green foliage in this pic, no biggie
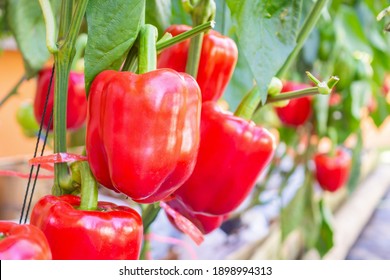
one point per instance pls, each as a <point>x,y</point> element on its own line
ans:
<point>266,33</point>
<point>25,20</point>
<point>325,240</point>
<point>112,29</point>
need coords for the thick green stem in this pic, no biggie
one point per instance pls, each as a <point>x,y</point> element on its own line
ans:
<point>50,23</point>
<point>63,60</point>
<point>194,52</point>
<point>89,188</point>
<point>13,91</point>
<point>306,28</point>
<point>202,11</point>
<point>147,49</point>
<point>131,62</point>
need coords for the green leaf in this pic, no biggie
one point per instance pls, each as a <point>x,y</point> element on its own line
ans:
<point>349,30</point>
<point>325,239</point>
<point>25,19</point>
<point>292,215</point>
<point>360,94</point>
<point>311,218</point>
<point>382,111</point>
<point>354,176</point>
<point>158,13</point>
<point>179,16</point>
<point>266,32</point>
<point>113,27</point>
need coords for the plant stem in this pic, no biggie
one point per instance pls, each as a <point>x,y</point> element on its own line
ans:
<point>50,23</point>
<point>202,12</point>
<point>304,32</point>
<point>63,60</point>
<point>147,60</point>
<point>163,44</point>
<point>13,91</point>
<point>132,57</point>
<point>89,188</point>
<point>81,43</point>
<point>293,94</point>
<point>149,214</point>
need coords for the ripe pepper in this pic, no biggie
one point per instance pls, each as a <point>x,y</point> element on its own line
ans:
<point>143,131</point>
<point>218,59</point>
<point>206,224</point>
<point>298,110</point>
<point>232,154</point>
<point>22,242</point>
<point>332,172</point>
<point>76,112</point>
<point>110,233</point>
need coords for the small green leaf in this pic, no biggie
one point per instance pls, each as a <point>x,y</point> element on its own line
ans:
<point>113,26</point>
<point>25,19</point>
<point>266,32</point>
<point>360,94</point>
<point>325,239</point>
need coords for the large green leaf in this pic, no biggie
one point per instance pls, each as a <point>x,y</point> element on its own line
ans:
<point>266,32</point>
<point>158,13</point>
<point>113,26</point>
<point>25,19</point>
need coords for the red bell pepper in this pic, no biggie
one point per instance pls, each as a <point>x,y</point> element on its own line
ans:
<point>22,242</point>
<point>332,172</point>
<point>110,233</point>
<point>77,100</point>
<point>218,59</point>
<point>298,110</point>
<point>143,131</point>
<point>232,154</point>
<point>206,224</point>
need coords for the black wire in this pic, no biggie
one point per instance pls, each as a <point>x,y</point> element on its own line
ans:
<point>35,153</point>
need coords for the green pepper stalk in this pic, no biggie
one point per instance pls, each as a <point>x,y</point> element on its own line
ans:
<point>63,51</point>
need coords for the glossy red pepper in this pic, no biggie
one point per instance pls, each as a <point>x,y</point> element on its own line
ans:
<point>298,110</point>
<point>206,224</point>
<point>77,101</point>
<point>110,233</point>
<point>218,59</point>
<point>232,154</point>
<point>22,242</point>
<point>143,131</point>
<point>332,172</point>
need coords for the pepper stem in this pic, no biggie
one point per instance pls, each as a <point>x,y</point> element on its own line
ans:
<point>50,24</point>
<point>202,11</point>
<point>333,139</point>
<point>89,188</point>
<point>147,49</point>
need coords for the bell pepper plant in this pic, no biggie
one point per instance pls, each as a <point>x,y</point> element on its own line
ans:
<point>218,59</point>
<point>332,171</point>
<point>22,242</point>
<point>76,112</point>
